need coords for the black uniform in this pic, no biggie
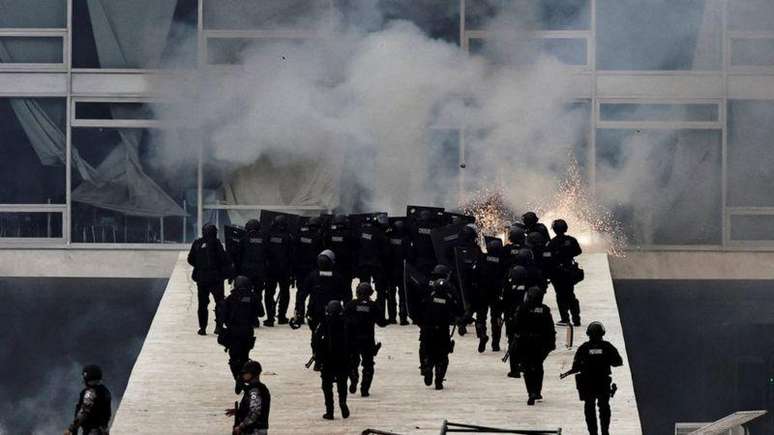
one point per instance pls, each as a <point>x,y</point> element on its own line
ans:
<point>252,263</point>
<point>363,314</point>
<point>593,361</point>
<point>536,338</point>
<point>92,413</point>
<point>440,309</point>
<point>371,261</point>
<point>238,312</point>
<point>341,241</point>
<point>280,250</point>
<point>332,350</point>
<point>323,286</point>
<point>400,250</point>
<point>253,411</point>
<point>211,266</point>
<point>491,277</point>
<point>563,251</point>
<point>512,297</point>
<point>308,246</point>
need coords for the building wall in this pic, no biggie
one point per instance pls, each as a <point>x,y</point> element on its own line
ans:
<point>717,96</point>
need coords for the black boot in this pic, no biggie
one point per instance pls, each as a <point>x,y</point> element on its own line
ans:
<point>201,331</point>
<point>482,343</point>
<point>344,410</point>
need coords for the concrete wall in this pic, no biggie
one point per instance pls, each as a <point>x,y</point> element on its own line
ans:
<point>707,265</point>
<point>87,263</point>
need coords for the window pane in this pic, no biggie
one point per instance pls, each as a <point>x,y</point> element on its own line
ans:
<point>568,51</point>
<point>752,228</point>
<point>32,169</point>
<point>33,14</point>
<point>755,52</point>
<point>264,14</point>
<point>31,50</point>
<point>135,34</point>
<point>658,112</point>
<point>545,14</point>
<point>143,189</point>
<point>663,185</point>
<point>750,160</point>
<point>658,35</point>
<point>751,15</point>
<point>30,225</point>
<point>92,110</point>
<point>232,51</point>
<point>439,19</point>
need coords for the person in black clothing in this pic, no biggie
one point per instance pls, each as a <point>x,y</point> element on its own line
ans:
<point>308,246</point>
<point>532,224</point>
<point>536,338</point>
<point>400,250</point>
<point>513,295</point>
<point>331,343</point>
<point>211,266</point>
<point>251,262</point>
<point>238,312</point>
<point>537,243</point>
<point>440,309</point>
<point>592,364</point>
<point>342,242</point>
<point>280,250</point>
<point>564,249</point>
<point>535,276</point>
<point>92,413</point>
<point>371,259</point>
<point>363,314</point>
<point>491,276</point>
<point>252,415</point>
<point>322,286</point>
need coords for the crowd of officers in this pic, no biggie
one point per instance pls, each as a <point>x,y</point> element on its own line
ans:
<point>424,268</point>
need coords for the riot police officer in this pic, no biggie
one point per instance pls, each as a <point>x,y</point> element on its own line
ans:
<point>535,276</point>
<point>532,224</point>
<point>331,343</point>
<point>92,413</point>
<point>592,364</point>
<point>238,311</point>
<point>251,263</point>
<point>322,286</point>
<point>536,338</point>
<point>513,295</point>
<point>400,251</point>
<point>472,297</point>
<point>537,243</point>
<point>308,246</point>
<point>211,266</point>
<point>341,241</point>
<point>491,276</point>
<point>440,309</point>
<point>371,259</point>
<point>363,314</point>
<point>280,248</point>
<point>564,249</point>
<point>252,415</point>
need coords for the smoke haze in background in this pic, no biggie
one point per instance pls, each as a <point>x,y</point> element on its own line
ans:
<point>51,328</point>
<point>385,89</point>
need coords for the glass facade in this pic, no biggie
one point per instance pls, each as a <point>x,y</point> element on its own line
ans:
<point>686,78</point>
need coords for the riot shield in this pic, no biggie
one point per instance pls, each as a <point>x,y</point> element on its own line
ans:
<point>437,213</point>
<point>414,289</point>
<point>267,219</point>
<point>458,218</point>
<point>465,260</point>
<point>445,239</point>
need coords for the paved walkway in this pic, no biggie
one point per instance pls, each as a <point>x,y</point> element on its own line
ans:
<point>181,384</point>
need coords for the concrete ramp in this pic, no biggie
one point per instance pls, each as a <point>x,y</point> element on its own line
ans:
<point>181,382</point>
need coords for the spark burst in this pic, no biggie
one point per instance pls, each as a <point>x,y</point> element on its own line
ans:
<point>491,212</point>
<point>592,224</point>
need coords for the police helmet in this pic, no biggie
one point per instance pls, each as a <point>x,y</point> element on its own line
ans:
<point>440,271</point>
<point>559,226</point>
<point>242,283</point>
<point>333,308</point>
<point>364,290</point>
<point>92,372</point>
<point>252,367</point>
<point>595,330</point>
<point>253,225</point>
<point>529,218</point>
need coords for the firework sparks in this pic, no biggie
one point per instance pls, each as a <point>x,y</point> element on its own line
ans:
<point>491,212</point>
<point>593,225</point>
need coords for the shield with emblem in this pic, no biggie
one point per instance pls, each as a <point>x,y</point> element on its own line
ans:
<point>445,239</point>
